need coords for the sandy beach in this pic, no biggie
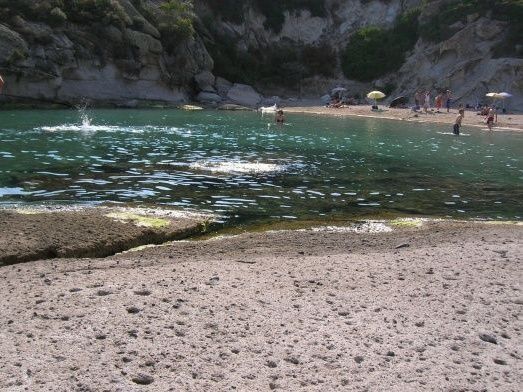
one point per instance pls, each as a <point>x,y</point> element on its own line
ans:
<point>506,122</point>
<point>430,308</point>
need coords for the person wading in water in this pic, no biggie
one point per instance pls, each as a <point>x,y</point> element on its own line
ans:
<point>280,118</point>
<point>457,123</point>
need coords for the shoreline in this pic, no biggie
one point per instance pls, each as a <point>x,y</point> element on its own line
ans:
<point>299,310</point>
<point>37,233</point>
<point>506,122</point>
<point>510,122</point>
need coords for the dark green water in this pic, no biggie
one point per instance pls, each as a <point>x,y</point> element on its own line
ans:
<point>233,164</point>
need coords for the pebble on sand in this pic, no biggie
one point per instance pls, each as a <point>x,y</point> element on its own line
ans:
<point>132,310</point>
<point>488,338</point>
<point>143,379</point>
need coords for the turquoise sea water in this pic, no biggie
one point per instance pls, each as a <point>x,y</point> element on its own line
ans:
<point>247,169</point>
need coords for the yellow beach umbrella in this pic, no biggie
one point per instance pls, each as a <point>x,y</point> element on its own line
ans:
<point>375,95</point>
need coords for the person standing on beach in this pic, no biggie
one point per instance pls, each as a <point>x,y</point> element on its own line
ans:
<point>457,123</point>
<point>448,95</point>
<point>426,102</point>
<point>437,102</point>
<point>417,99</point>
<point>1,84</point>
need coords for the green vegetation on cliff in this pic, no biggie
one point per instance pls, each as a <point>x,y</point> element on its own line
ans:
<point>117,29</point>
<point>59,36</point>
<point>373,52</point>
<point>60,11</point>
<point>284,64</point>
<point>173,18</point>
<point>175,22</point>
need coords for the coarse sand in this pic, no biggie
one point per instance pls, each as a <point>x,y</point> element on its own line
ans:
<point>431,308</point>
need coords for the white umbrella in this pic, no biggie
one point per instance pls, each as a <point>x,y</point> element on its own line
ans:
<point>504,96</point>
<point>337,90</point>
<point>494,96</point>
<point>375,95</point>
<point>498,96</point>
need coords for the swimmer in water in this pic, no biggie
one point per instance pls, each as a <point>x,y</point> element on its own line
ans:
<point>280,118</point>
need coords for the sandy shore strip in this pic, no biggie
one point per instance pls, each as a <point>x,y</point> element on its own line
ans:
<point>506,122</point>
<point>430,308</point>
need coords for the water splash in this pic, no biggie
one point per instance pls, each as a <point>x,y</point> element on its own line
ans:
<point>86,125</point>
<point>86,121</point>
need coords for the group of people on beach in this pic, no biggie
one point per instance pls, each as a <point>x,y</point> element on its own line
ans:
<point>422,99</point>
<point>338,102</point>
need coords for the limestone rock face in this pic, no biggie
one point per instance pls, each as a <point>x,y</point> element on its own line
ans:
<point>342,18</point>
<point>222,86</point>
<point>146,26</point>
<point>301,29</point>
<point>114,64</point>
<point>205,81</point>
<point>144,43</point>
<point>464,64</point>
<point>191,58</point>
<point>11,44</point>
<point>243,94</point>
<point>131,61</point>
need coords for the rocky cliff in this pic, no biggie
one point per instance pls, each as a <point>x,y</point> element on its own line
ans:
<point>467,62</point>
<point>112,54</point>
<point>300,55</point>
<point>286,48</point>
